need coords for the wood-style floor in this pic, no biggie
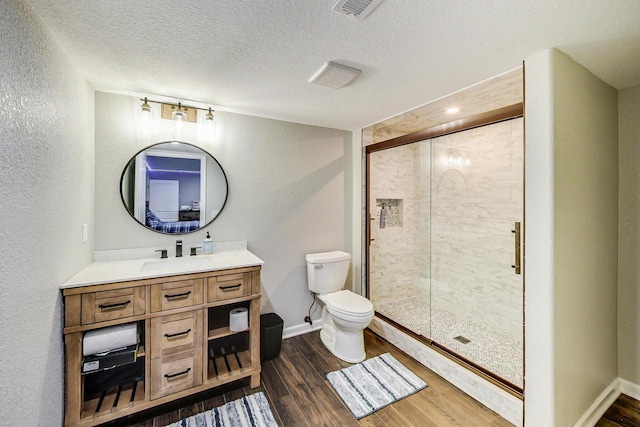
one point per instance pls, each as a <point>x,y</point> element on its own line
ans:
<point>625,412</point>
<point>300,395</point>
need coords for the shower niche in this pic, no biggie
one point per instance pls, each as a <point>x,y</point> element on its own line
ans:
<point>388,213</point>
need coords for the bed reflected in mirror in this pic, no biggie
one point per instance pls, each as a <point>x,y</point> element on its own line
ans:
<point>173,187</point>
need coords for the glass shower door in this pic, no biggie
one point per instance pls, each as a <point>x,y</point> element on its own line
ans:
<point>476,209</point>
<point>443,236</point>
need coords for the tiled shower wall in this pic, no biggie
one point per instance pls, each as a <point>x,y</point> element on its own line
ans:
<point>399,267</point>
<point>477,195</point>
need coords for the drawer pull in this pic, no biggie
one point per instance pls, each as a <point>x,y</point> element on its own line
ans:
<point>170,376</point>
<point>178,296</point>
<point>177,334</point>
<point>116,306</point>
<point>227,288</point>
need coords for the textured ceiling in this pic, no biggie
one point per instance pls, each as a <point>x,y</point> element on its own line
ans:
<point>255,56</point>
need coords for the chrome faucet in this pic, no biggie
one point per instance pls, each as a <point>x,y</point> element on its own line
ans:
<point>178,248</point>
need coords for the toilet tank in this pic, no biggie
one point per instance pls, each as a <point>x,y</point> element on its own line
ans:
<point>327,271</point>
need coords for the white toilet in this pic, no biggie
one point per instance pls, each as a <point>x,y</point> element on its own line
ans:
<point>345,314</point>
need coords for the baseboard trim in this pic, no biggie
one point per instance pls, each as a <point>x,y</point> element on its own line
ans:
<point>629,388</point>
<point>303,328</point>
<point>600,405</point>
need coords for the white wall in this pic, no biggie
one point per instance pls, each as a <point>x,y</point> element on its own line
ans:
<point>571,195</point>
<point>629,235</point>
<point>46,170</point>
<point>289,192</point>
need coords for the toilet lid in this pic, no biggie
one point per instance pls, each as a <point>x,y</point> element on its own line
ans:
<point>349,303</point>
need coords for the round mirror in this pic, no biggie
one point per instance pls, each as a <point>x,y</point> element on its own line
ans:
<point>173,187</point>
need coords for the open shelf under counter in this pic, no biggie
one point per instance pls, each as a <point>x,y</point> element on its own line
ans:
<point>222,367</point>
<point>119,401</point>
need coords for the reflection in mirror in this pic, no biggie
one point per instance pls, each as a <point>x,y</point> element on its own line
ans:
<point>173,187</point>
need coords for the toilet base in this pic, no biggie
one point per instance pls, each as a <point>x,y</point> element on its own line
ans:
<point>330,344</point>
<point>347,345</point>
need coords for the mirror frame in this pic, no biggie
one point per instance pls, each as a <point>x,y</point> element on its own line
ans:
<point>133,158</point>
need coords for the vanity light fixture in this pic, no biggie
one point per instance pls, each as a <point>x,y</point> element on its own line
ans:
<point>176,112</point>
<point>146,113</point>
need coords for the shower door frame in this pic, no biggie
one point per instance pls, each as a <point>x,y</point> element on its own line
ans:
<point>496,116</point>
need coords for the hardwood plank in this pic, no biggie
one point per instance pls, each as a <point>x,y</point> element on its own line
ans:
<point>303,396</point>
<point>392,417</point>
<point>290,413</point>
<point>371,421</point>
<point>606,423</point>
<point>272,381</point>
<point>190,410</point>
<point>283,404</point>
<point>322,390</point>
<point>632,406</point>
<point>213,401</point>
<point>625,411</point>
<point>167,418</point>
<point>235,393</point>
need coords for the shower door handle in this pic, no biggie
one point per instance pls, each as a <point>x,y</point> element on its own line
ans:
<point>516,235</point>
<point>369,231</point>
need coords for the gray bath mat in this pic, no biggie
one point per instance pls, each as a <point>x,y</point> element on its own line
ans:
<point>374,384</point>
<point>252,410</point>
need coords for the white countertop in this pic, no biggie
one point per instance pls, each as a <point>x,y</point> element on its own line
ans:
<point>98,273</point>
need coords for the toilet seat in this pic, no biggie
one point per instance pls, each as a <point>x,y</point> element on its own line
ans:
<point>349,304</point>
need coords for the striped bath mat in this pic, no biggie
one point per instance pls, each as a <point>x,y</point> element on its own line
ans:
<point>250,410</point>
<point>374,384</point>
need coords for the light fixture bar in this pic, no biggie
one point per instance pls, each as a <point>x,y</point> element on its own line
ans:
<point>167,110</point>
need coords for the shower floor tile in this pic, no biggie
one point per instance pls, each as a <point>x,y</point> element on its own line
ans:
<point>493,350</point>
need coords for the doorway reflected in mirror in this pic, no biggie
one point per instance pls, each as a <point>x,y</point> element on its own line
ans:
<point>173,187</point>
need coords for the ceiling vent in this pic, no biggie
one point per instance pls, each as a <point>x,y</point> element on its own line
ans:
<point>358,8</point>
<point>334,75</point>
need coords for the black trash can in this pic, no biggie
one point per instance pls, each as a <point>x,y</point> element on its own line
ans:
<point>270,336</point>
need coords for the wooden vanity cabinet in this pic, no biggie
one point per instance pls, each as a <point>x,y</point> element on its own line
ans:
<point>185,346</point>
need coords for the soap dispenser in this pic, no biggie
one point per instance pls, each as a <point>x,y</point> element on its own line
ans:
<point>207,245</point>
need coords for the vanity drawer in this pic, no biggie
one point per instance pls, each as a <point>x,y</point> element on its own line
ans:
<point>171,374</point>
<point>170,295</point>
<point>175,333</point>
<point>112,305</point>
<point>228,286</point>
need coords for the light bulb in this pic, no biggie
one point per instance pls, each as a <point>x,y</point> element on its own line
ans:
<point>179,116</point>
<point>146,114</point>
<point>208,118</point>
